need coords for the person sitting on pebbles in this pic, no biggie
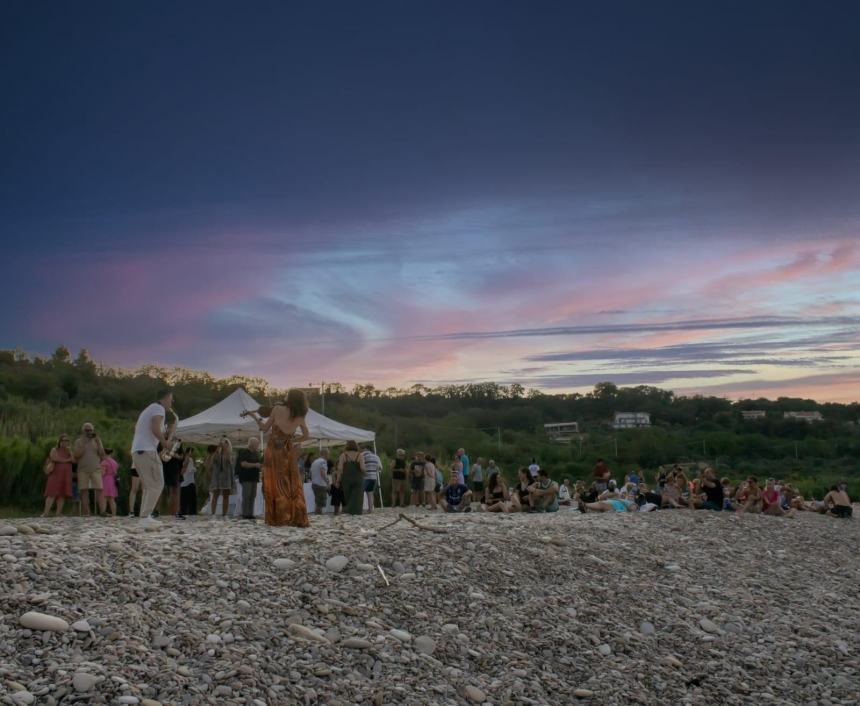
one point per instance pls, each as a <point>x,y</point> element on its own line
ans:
<point>496,496</point>
<point>520,496</point>
<point>837,502</point>
<point>543,495</point>
<point>770,501</point>
<point>612,505</point>
<point>457,497</point>
<point>565,493</point>
<point>749,496</point>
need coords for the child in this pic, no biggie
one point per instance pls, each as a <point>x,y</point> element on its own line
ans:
<point>109,490</point>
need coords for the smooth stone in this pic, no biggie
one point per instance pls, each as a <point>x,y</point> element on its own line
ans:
<point>425,645</point>
<point>7,530</point>
<point>184,671</point>
<point>40,621</point>
<point>213,638</point>
<point>243,604</point>
<point>81,626</point>
<point>25,529</point>
<point>647,628</point>
<point>150,702</point>
<point>355,643</point>
<point>672,661</point>
<point>337,563</point>
<point>450,628</point>
<point>401,635</point>
<point>709,626</point>
<point>283,563</point>
<point>474,694</point>
<point>305,633</point>
<point>24,698</point>
<point>364,567</point>
<point>583,693</point>
<point>128,700</point>
<point>84,682</point>
<point>605,650</point>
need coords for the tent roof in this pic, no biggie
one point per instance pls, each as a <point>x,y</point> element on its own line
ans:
<point>223,419</point>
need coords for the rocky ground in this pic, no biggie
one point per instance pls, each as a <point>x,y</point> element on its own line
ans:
<point>663,608</point>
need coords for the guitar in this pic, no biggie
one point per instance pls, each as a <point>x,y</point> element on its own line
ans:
<point>167,454</point>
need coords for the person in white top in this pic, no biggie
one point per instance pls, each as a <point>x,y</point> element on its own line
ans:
<point>149,432</point>
<point>533,468</point>
<point>320,482</point>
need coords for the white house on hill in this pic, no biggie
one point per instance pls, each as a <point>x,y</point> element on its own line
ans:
<point>753,414</point>
<point>631,420</point>
<point>805,416</point>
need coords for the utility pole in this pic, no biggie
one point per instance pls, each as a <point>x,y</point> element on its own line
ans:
<point>615,442</point>
<point>322,395</point>
<point>499,432</point>
<point>796,456</point>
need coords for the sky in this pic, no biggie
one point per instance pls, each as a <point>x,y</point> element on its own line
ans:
<point>547,193</point>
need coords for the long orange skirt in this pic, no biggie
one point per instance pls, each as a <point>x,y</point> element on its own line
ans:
<point>283,489</point>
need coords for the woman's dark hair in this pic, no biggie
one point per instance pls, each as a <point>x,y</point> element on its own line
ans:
<point>108,452</point>
<point>525,471</point>
<point>212,448</point>
<point>297,403</point>
<point>350,445</point>
<point>494,481</point>
<point>265,411</point>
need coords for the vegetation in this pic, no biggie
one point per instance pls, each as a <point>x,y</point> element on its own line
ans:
<point>43,397</point>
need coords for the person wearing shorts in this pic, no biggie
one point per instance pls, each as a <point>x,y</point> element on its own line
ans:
<point>372,464</point>
<point>478,478</point>
<point>430,483</point>
<point>320,482</point>
<point>89,454</point>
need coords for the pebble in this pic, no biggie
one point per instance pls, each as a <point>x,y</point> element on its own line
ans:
<point>128,700</point>
<point>305,633</point>
<point>7,530</point>
<point>583,693</point>
<point>355,643</point>
<point>647,628</point>
<point>25,529</point>
<point>474,694</point>
<point>401,635</point>
<point>41,621</point>
<point>81,626</point>
<point>83,682</point>
<point>23,698</point>
<point>425,645</point>
<point>283,563</point>
<point>604,649</point>
<point>709,626</point>
<point>150,702</point>
<point>337,563</point>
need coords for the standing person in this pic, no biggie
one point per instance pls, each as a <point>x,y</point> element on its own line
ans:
<point>283,485</point>
<point>601,475</point>
<point>398,479</point>
<point>416,478</point>
<point>109,475</point>
<point>351,469</point>
<point>172,477</point>
<point>249,461</point>
<point>429,495</point>
<point>533,469</point>
<point>58,483</point>
<point>149,431</point>
<point>320,483</point>
<point>221,480</point>
<point>371,474</point>
<point>477,473</point>
<point>465,466</point>
<point>89,453</point>
<point>135,485</point>
<point>187,486</point>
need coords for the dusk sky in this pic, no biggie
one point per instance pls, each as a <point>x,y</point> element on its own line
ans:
<point>549,193</point>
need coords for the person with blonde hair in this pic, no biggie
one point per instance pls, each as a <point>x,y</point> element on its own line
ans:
<point>398,479</point>
<point>283,486</point>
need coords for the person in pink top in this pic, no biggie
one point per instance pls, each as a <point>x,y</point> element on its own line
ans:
<point>770,501</point>
<point>109,489</point>
<point>58,469</point>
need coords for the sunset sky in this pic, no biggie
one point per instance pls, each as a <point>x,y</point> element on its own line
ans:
<point>549,193</point>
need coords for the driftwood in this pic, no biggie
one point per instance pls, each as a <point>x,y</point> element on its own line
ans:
<point>401,516</point>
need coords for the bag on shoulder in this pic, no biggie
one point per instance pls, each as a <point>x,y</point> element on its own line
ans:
<point>48,466</point>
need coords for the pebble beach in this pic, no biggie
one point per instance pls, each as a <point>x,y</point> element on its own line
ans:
<point>671,607</point>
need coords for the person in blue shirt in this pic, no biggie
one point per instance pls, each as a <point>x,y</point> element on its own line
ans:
<point>464,460</point>
<point>457,496</point>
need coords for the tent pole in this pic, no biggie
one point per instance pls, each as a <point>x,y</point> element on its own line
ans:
<point>379,478</point>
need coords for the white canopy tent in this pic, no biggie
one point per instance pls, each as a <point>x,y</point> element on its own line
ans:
<point>224,419</point>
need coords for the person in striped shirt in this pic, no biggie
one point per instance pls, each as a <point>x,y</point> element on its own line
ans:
<point>371,475</point>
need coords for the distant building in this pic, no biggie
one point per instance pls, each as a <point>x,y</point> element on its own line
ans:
<point>753,414</point>
<point>562,432</point>
<point>631,420</point>
<point>804,416</point>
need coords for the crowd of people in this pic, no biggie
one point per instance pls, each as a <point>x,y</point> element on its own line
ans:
<point>162,466</point>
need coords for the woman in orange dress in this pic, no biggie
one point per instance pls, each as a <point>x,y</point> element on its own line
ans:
<point>283,487</point>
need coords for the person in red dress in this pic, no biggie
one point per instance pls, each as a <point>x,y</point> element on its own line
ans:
<point>58,483</point>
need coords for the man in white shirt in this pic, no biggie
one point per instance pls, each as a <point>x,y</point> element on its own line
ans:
<point>149,432</point>
<point>533,469</point>
<point>371,475</point>
<point>320,482</point>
